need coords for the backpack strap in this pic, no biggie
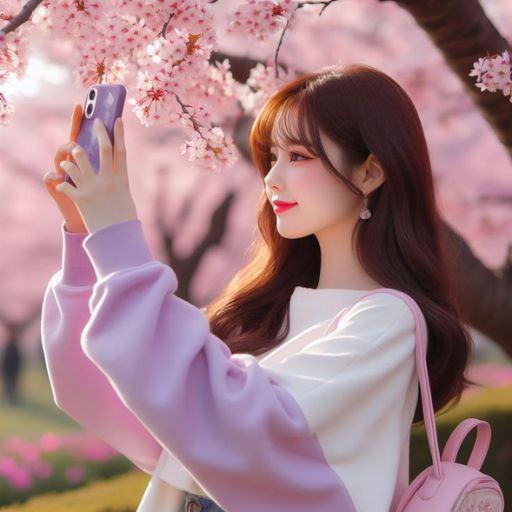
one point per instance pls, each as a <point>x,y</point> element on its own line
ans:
<point>421,337</point>
<point>480,448</point>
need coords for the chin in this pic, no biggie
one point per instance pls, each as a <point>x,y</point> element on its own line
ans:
<point>292,234</point>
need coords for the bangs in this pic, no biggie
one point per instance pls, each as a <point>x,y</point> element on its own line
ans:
<point>284,127</point>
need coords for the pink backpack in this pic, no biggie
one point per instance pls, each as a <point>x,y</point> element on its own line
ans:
<point>446,486</point>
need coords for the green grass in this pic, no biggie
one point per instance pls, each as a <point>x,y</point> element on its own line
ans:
<point>36,412</point>
<point>118,494</point>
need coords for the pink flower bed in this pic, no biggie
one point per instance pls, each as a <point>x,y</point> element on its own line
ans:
<point>21,461</point>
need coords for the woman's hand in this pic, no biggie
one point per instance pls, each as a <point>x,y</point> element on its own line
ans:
<point>73,221</point>
<point>102,198</point>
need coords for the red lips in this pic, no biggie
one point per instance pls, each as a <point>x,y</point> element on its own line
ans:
<point>282,203</point>
<point>281,206</point>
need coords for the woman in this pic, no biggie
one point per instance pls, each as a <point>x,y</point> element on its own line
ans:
<point>247,405</point>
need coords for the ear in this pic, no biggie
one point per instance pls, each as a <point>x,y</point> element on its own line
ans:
<point>370,174</point>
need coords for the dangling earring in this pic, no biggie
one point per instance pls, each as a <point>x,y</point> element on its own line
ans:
<point>365,214</point>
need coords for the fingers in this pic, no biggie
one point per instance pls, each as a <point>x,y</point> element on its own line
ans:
<point>104,145</point>
<point>76,122</point>
<point>120,165</point>
<point>62,152</point>
<point>66,189</point>
<point>72,171</point>
<point>51,180</point>
<point>82,166</point>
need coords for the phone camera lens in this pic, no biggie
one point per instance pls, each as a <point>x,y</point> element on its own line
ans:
<point>92,94</point>
<point>89,109</point>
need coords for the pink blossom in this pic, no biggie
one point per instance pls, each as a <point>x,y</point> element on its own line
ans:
<point>83,445</point>
<point>260,85</point>
<point>22,448</point>
<point>75,473</point>
<point>161,50</point>
<point>41,469</point>
<point>16,475</point>
<point>493,74</point>
<point>25,460</point>
<point>165,46</point>
<point>262,18</point>
<point>74,20</point>
<point>7,466</point>
<point>20,479</point>
<point>49,442</point>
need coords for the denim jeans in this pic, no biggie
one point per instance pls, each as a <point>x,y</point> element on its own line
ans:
<point>196,503</point>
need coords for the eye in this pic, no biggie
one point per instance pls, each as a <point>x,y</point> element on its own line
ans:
<point>292,153</point>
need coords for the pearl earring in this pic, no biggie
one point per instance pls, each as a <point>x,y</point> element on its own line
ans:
<point>365,214</point>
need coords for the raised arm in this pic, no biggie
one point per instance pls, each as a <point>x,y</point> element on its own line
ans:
<point>79,387</point>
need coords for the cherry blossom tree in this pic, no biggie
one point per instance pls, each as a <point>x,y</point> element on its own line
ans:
<point>162,57</point>
<point>168,55</point>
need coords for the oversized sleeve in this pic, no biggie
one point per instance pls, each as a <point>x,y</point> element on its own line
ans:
<point>253,437</point>
<point>79,387</point>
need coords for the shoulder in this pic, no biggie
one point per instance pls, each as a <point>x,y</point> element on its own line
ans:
<point>382,310</point>
<point>387,298</point>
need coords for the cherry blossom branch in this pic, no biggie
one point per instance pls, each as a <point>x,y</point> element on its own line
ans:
<point>163,32</point>
<point>276,71</point>
<point>199,130</point>
<point>22,17</point>
<point>325,5</point>
<point>278,10</point>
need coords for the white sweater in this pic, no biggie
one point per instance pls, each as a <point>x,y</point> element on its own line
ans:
<point>372,387</point>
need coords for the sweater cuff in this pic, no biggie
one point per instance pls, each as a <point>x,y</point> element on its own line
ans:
<point>77,269</point>
<point>116,247</point>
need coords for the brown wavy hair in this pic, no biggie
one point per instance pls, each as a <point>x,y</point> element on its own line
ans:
<point>402,246</point>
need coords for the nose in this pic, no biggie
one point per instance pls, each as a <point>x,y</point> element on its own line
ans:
<point>269,181</point>
<point>271,186</point>
<point>271,190</point>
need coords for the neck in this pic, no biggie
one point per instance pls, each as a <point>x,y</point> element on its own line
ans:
<point>339,267</point>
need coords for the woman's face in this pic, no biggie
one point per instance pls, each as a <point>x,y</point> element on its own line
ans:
<point>323,202</point>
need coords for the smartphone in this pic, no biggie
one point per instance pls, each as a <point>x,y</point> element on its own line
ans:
<point>106,102</point>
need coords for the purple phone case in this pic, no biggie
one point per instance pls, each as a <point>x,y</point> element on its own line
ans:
<point>109,106</point>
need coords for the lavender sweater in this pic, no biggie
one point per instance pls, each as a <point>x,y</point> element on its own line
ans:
<point>321,422</point>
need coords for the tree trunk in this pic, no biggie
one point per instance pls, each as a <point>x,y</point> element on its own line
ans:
<point>463,33</point>
<point>484,296</point>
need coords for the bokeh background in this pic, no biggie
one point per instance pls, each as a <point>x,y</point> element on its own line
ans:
<point>202,226</point>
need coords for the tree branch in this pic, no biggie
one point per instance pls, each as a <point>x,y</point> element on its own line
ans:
<point>22,17</point>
